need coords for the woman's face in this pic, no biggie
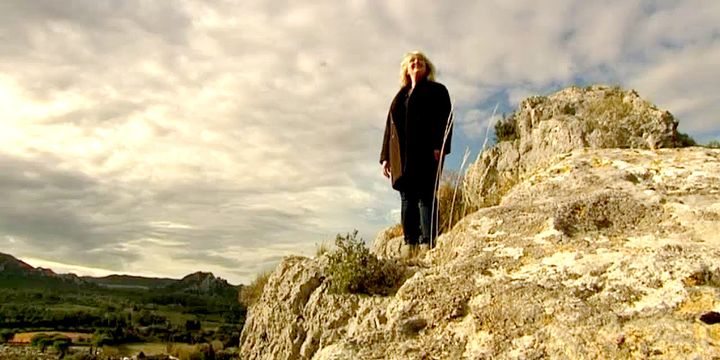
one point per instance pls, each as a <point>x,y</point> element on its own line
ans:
<point>416,68</point>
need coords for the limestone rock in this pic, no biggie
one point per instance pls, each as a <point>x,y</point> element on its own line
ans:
<point>296,316</point>
<point>276,323</point>
<point>574,118</point>
<point>583,252</point>
<point>386,245</point>
<point>603,253</point>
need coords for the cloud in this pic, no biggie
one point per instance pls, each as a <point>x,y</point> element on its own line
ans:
<point>688,71</point>
<point>160,137</point>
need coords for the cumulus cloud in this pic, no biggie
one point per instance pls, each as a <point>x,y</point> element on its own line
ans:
<point>168,137</point>
<point>668,82</point>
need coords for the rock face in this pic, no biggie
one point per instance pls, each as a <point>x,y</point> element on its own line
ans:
<point>386,245</point>
<point>593,253</point>
<point>295,316</point>
<point>574,118</point>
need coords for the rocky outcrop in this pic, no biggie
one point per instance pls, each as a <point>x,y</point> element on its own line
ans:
<point>574,118</point>
<point>593,253</point>
<point>387,245</point>
<point>296,316</point>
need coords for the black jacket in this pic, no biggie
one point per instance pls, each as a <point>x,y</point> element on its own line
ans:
<point>416,125</point>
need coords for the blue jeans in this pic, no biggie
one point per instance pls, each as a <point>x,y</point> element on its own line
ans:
<point>417,217</point>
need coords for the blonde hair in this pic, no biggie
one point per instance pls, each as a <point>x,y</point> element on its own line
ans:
<point>405,77</point>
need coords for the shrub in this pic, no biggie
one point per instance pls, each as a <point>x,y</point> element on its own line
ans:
<point>6,335</point>
<point>41,341</point>
<point>685,140</point>
<point>611,107</point>
<point>714,144</point>
<point>353,269</point>
<point>506,129</point>
<point>61,345</point>
<point>250,294</point>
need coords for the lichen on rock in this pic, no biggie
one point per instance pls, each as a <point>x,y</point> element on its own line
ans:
<point>595,117</point>
<point>582,252</point>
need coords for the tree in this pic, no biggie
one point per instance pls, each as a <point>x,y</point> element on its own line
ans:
<point>41,341</point>
<point>61,344</point>
<point>6,335</point>
<point>191,325</point>
<point>685,140</point>
<point>102,339</point>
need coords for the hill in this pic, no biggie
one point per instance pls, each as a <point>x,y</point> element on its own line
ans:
<point>204,283</point>
<point>9,264</point>
<point>595,238</point>
<point>118,309</point>
<point>17,273</point>
<point>129,281</point>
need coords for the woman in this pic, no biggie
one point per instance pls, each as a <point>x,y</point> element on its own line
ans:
<point>417,138</point>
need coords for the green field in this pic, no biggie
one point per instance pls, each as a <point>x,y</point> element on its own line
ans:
<point>148,348</point>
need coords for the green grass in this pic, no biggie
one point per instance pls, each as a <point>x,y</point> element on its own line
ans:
<point>148,348</point>
<point>72,307</point>
<point>175,317</point>
<point>210,325</point>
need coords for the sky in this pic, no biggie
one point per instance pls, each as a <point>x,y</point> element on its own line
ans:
<point>160,138</point>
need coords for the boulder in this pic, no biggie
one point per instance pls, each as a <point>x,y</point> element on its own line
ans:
<point>574,118</point>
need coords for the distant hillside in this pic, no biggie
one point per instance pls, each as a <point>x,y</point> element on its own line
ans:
<point>117,309</point>
<point>204,283</point>
<point>9,264</point>
<point>129,281</point>
<point>15,273</point>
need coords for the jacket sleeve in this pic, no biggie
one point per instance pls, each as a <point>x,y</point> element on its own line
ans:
<point>385,150</point>
<point>444,120</point>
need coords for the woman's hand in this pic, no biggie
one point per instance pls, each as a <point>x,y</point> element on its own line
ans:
<point>386,169</point>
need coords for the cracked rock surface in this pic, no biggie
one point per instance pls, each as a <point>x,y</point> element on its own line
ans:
<point>604,253</point>
<point>594,241</point>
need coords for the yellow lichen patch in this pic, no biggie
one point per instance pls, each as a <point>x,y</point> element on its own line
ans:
<point>557,170</point>
<point>597,162</point>
<point>655,165</point>
<point>714,333</point>
<point>698,302</point>
<point>704,331</point>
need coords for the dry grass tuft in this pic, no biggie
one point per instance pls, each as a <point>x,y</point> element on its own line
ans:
<point>250,294</point>
<point>451,201</point>
<point>395,231</point>
<point>322,248</point>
